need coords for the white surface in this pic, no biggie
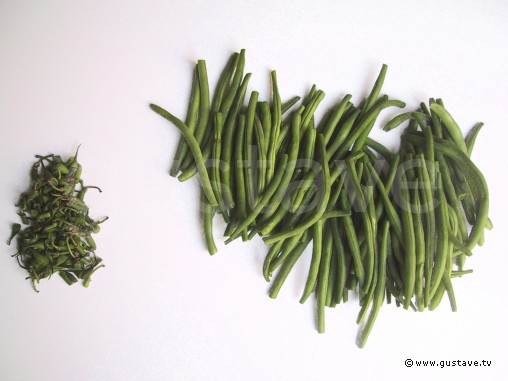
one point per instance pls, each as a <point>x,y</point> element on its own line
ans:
<point>85,71</point>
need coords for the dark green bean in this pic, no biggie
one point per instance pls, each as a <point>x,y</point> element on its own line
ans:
<point>289,103</point>
<point>270,190</point>
<point>231,92</point>
<point>409,240</point>
<point>190,121</point>
<point>471,137</point>
<point>196,151</point>
<point>239,173</point>
<point>204,103</point>
<point>335,117</point>
<point>322,283</point>
<point>451,126</point>
<point>379,289</point>
<point>442,239</point>
<point>208,212</point>
<point>287,266</point>
<point>317,241</point>
<point>376,89</point>
<point>321,207</point>
<point>288,172</point>
<point>249,128</point>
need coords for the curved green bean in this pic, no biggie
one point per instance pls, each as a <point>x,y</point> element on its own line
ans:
<point>194,147</point>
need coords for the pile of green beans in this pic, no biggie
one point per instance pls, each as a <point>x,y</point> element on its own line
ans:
<point>271,170</point>
<point>58,232</point>
<point>443,208</point>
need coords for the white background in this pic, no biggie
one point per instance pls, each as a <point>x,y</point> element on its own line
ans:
<point>83,72</point>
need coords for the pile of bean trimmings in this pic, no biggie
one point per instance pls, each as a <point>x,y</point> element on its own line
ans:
<point>383,225</point>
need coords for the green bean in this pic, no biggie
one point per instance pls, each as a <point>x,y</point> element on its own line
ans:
<point>239,174</point>
<point>288,172</point>
<point>194,147</point>
<point>442,241</point>
<point>343,133</point>
<point>261,162</point>
<point>369,228</point>
<point>451,126</point>
<point>229,131</point>
<point>376,89</point>
<point>342,261</point>
<point>393,272</point>
<point>287,266</point>
<point>438,296</point>
<point>276,120</point>
<point>380,149</point>
<point>322,283</point>
<point>471,137</point>
<point>478,184</point>
<point>321,205</point>
<point>460,273</point>
<point>429,217</point>
<point>358,137</point>
<point>379,289</point>
<point>390,177</point>
<point>449,291</point>
<point>368,295</point>
<point>398,120</point>
<point>390,211</point>
<point>308,147</point>
<point>289,103</point>
<point>409,240</point>
<point>335,117</point>
<point>190,121</point>
<point>189,169</point>
<point>429,152</point>
<point>237,78</point>
<point>317,239</point>
<point>208,212</point>
<point>450,191</point>
<point>204,103</point>
<point>270,190</point>
<point>352,239</point>
<point>216,165</point>
<point>419,249</point>
<point>266,122</point>
<point>272,253</point>
<point>287,247</point>
<point>249,128</point>
<point>332,276</point>
<point>310,109</point>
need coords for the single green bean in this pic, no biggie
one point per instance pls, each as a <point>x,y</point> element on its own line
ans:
<point>380,287</point>
<point>376,89</point>
<point>442,238</point>
<point>451,126</point>
<point>289,103</point>
<point>249,129</point>
<point>317,245</point>
<point>194,147</point>
<point>409,240</point>
<point>190,121</point>
<point>335,117</point>
<point>322,283</point>
<point>471,137</point>
<point>208,212</point>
